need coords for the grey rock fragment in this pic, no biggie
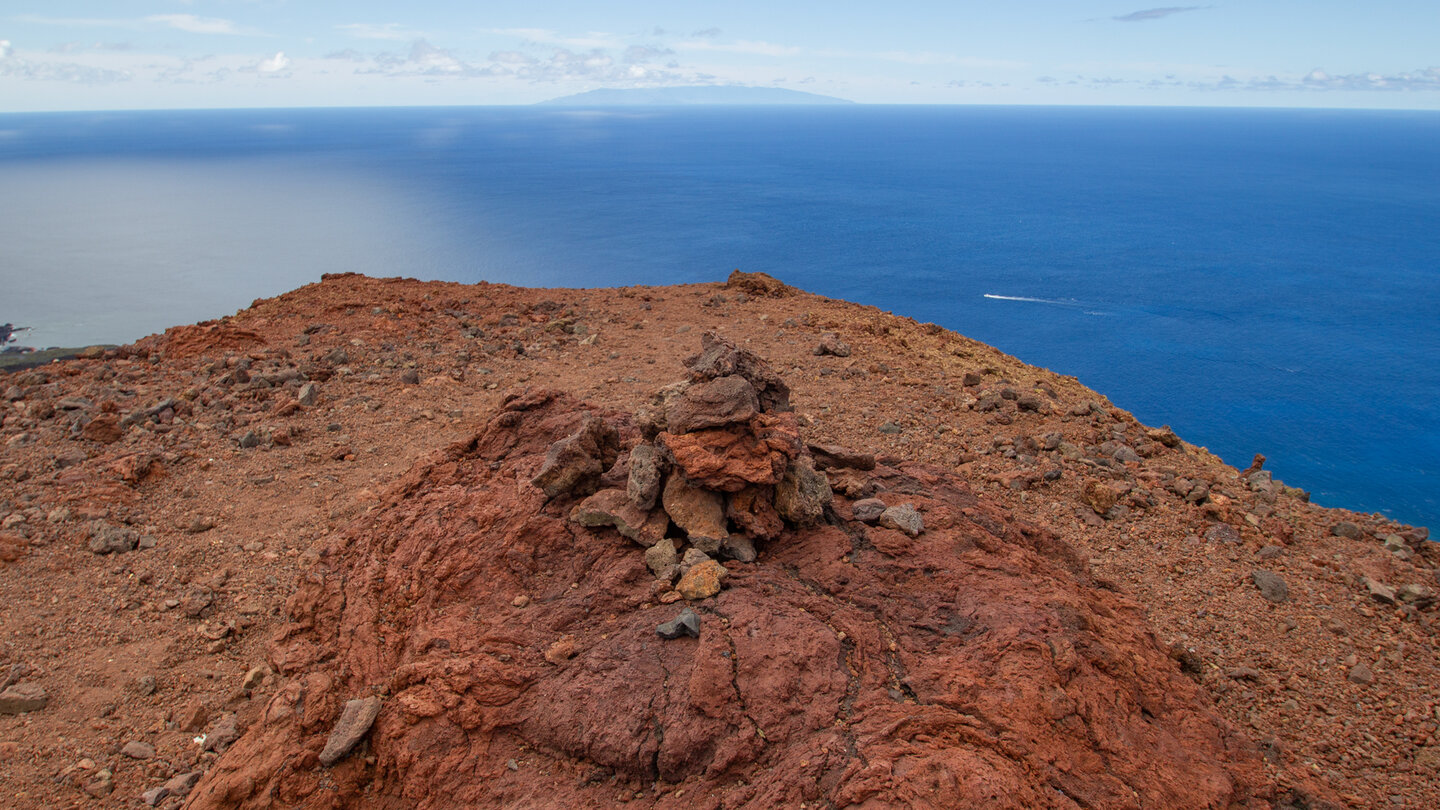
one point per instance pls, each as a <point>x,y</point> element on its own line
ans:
<point>182,784</point>
<point>1380,592</point>
<point>575,463</point>
<point>686,624</point>
<point>643,486</point>
<point>1346,529</point>
<point>661,556</point>
<point>802,494</point>
<point>1222,533</point>
<point>831,344</point>
<point>309,394</point>
<point>692,558</point>
<point>137,749</point>
<point>739,547</point>
<point>716,403</point>
<point>106,539</point>
<point>868,510</point>
<point>23,697</point>
<point>355,721</point>
<point>1271,586</point>
<point>903,518</point>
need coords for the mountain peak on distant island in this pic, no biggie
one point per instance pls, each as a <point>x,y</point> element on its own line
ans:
<point>687,96</point>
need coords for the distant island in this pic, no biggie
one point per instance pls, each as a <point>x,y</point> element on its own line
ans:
<point>700,94</point>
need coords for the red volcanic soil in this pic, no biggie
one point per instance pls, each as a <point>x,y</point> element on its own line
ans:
<point>341,550</point>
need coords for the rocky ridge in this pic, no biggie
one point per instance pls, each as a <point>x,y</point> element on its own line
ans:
<point>231,452</point>
<point>970,663</point>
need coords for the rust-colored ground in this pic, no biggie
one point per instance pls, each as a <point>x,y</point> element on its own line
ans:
<point>1338,682</point>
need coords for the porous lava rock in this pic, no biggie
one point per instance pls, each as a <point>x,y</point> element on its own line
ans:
<point>975,665</point>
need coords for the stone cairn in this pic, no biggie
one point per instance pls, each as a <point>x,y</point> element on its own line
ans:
<point>721,468</point>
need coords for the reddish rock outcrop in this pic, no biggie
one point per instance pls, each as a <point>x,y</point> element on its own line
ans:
<point>974,665</point>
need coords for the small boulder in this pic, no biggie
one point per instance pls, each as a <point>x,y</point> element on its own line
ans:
<point>1361,673</point>
<point>1270,585</point>
<point>309,394</point>
<point>1164,435</point>
<point>719,402</point>
<point>575,463</point>
<point>740,548</point>
<point>685,624</point>
<point>903,518</point>
<point>1098,496</point>
<point>643,485</point>
<point>612,507</point>
<point>104,429</point>
<point>831,344</point>
<point>1031,403</point>
<point>137,749</point>
<point>752,511</point>
<point>702,581</point>
<point>868,510</point>
<point>355,721</point>
<point>802,494</point>
<point>659,557</point>
<point>698,512</point>
<point>1347,529</point>
<point>106,539</point>
<point>828,456</point>
<point>23,697</point>
<point>1380,592</point>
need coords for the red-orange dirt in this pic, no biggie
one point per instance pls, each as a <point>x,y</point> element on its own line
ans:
<point>323,498</point>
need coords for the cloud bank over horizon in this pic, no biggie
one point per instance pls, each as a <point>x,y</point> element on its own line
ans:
<point>73,55</point>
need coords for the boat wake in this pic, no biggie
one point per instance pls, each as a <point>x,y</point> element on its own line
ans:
<point>1056,302</point>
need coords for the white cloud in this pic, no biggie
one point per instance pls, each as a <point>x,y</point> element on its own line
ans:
<point>13,65</point>
<point>1424,79</point>
<point>390,31</point>
<point>188,23</point>
<point>545,36</point>
<point>758,48</point>
<point>80,22</point>
<point>1155,13</point>
<point>192,24</point>
<point>274,64</point>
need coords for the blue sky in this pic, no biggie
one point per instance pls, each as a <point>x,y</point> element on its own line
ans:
<point>129,54</point>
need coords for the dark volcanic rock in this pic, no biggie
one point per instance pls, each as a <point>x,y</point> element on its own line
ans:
<point>575,463</point>
<point>802,494</point>
<point>831,344</point>
<point>717,403</point>
<point>354,723</point>
<point>643,485</point>
<point>976,660</point>
<point>686,624</point>
<point>1270,585</point>
<point>720,357</point>
<point>828,457</point>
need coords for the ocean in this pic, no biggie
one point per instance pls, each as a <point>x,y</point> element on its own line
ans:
<point>1261,280</point>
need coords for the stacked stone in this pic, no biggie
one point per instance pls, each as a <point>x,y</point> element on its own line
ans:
<point>721,468</point>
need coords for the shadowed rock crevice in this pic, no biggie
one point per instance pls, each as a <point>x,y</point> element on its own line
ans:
<point>508,632</point>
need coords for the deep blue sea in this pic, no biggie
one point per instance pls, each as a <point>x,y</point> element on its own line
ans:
<point>1261,280</point>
